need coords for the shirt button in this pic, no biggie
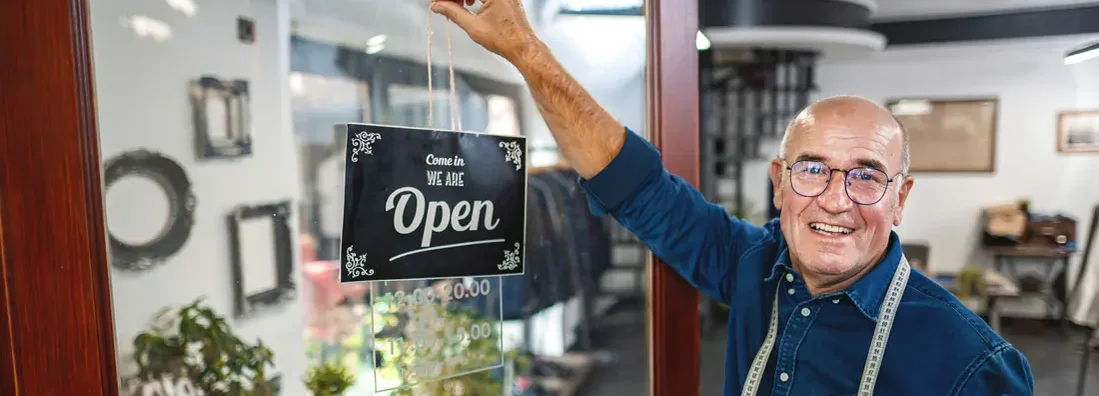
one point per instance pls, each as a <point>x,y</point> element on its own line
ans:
<point>790,291</point>
<point>805,312</point>
<point>784,377</point>
<point>835,301</point>
<point>789,277</point>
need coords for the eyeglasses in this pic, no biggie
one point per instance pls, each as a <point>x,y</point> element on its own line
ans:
<point>864,185</point>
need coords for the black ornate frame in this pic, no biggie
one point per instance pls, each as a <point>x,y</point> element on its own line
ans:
<point>285,290</point>
<point>171,177</point>
<point>235,95</point>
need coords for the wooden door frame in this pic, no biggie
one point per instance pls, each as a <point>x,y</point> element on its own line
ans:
<point>55,318</point>
<point>672,90</point>
<point>56,323</point>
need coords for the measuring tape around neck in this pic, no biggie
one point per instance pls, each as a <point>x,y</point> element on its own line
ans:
<point>877,344</point>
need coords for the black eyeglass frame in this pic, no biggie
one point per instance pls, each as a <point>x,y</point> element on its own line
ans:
<point>846,174</point>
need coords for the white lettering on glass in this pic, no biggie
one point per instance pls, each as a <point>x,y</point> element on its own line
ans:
<point>434,178</point>
<point>461,211</point>
<point>431,159</point>
<point>439,215</point>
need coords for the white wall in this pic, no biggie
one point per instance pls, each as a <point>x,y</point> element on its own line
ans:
<point>611,66</point>
<point>1032,84</point>
<point>141,88</point>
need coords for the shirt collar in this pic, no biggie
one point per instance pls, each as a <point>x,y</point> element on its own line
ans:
<point>867,293</point>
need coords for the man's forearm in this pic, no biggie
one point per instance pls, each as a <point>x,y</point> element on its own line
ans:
<point>587,135</point>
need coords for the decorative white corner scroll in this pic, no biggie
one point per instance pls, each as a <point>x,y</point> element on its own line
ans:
<point>362,143</point>
<point>514,153</point>
<point>356,264</point>
<point>511,259</point>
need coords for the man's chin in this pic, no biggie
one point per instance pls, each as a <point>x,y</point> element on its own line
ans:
<point>829,267</point>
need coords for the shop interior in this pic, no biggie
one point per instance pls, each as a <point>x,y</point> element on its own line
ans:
<point>224,183</point>
<point>994,98</point>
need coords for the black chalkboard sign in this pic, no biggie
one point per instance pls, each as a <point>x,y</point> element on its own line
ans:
<point>424,204</point>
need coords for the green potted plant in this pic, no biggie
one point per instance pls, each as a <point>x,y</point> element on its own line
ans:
<point>328,380</point>
<point>197,345</point>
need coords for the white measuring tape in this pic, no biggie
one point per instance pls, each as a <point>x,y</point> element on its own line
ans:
<point>877,345</point>
<point>455,119</point>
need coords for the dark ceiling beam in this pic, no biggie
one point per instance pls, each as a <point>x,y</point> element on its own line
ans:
<point>1015,25</point>
<point>769,13</point>
<point>627,11</point>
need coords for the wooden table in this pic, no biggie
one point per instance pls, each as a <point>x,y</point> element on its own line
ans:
<point>997,286</point>
<point>1056,258</point>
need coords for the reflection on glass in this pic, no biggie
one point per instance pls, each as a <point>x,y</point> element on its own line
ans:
<point>431,330</point>
<point>501,116</point>
<point>417,106</point>
<point>573,322</point>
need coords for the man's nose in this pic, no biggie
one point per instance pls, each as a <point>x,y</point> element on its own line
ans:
<point>835,199</point>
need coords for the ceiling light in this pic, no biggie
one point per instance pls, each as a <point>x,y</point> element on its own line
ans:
<point>148,27</point>
<point>587,5</point>
<point>376,40</point>
<point>911,108</point>
<point>1090,51</point>
<point>187,7</point>
<point>297,83</point>
<point>701,42</point>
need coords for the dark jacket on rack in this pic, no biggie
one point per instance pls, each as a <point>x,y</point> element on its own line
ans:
<point>565,253</point>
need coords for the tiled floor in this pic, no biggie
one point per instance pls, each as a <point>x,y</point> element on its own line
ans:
<point>1055,359</point>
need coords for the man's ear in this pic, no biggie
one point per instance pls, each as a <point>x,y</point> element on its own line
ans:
<point>902,197</point>
<point>777,171</point>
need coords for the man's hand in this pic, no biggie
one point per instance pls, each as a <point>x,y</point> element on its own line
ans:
<point>586,134</point>
<point>500,26</point>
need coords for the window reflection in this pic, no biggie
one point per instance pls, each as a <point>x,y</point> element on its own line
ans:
<point>309,65</point>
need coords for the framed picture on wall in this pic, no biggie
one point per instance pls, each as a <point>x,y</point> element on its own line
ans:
<point>1078,131</point>
<point>949,135</point>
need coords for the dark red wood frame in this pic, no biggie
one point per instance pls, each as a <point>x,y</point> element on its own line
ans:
<point>55,320</point>
<point>672,82</point>
<point>56,325</point>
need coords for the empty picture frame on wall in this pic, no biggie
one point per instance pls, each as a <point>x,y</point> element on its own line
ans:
<point>220,109</point>
<point>131,248</point>
<point>262,257</point>
<point>949,135</point>
<point>1078,131</point>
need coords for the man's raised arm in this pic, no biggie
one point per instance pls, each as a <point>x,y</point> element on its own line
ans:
<point>587,135</point>
<point>622,172</point>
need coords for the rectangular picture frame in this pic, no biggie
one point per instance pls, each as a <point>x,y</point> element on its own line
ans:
<point>1078,131</point>
<point>246,302</point>
<point>949,134</point>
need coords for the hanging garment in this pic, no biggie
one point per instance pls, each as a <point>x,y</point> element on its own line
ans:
<point>576,221</point>
<point>525,294</point>
<point>560,237</point>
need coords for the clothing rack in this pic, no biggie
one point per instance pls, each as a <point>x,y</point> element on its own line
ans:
<point>629,254</point>
<point>556,302</point>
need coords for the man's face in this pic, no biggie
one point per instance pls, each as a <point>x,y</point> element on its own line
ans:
<point>840,140</point>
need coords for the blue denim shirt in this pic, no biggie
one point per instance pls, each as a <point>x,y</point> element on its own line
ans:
<point>936,347</point>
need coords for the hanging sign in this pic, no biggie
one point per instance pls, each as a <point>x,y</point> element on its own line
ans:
<point>426,204</point>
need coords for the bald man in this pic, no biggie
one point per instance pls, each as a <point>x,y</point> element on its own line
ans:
<point>822,300</point>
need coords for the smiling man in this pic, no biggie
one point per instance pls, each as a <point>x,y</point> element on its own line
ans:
<point>822,301</point>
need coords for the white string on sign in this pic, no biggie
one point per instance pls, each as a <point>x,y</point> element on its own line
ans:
<point>455,120</point>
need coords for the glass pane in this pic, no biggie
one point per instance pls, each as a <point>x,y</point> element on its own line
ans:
<point>225,199</point>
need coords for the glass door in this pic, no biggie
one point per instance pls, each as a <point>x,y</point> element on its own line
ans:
<point>226,223</point>
<point>194,207</point>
